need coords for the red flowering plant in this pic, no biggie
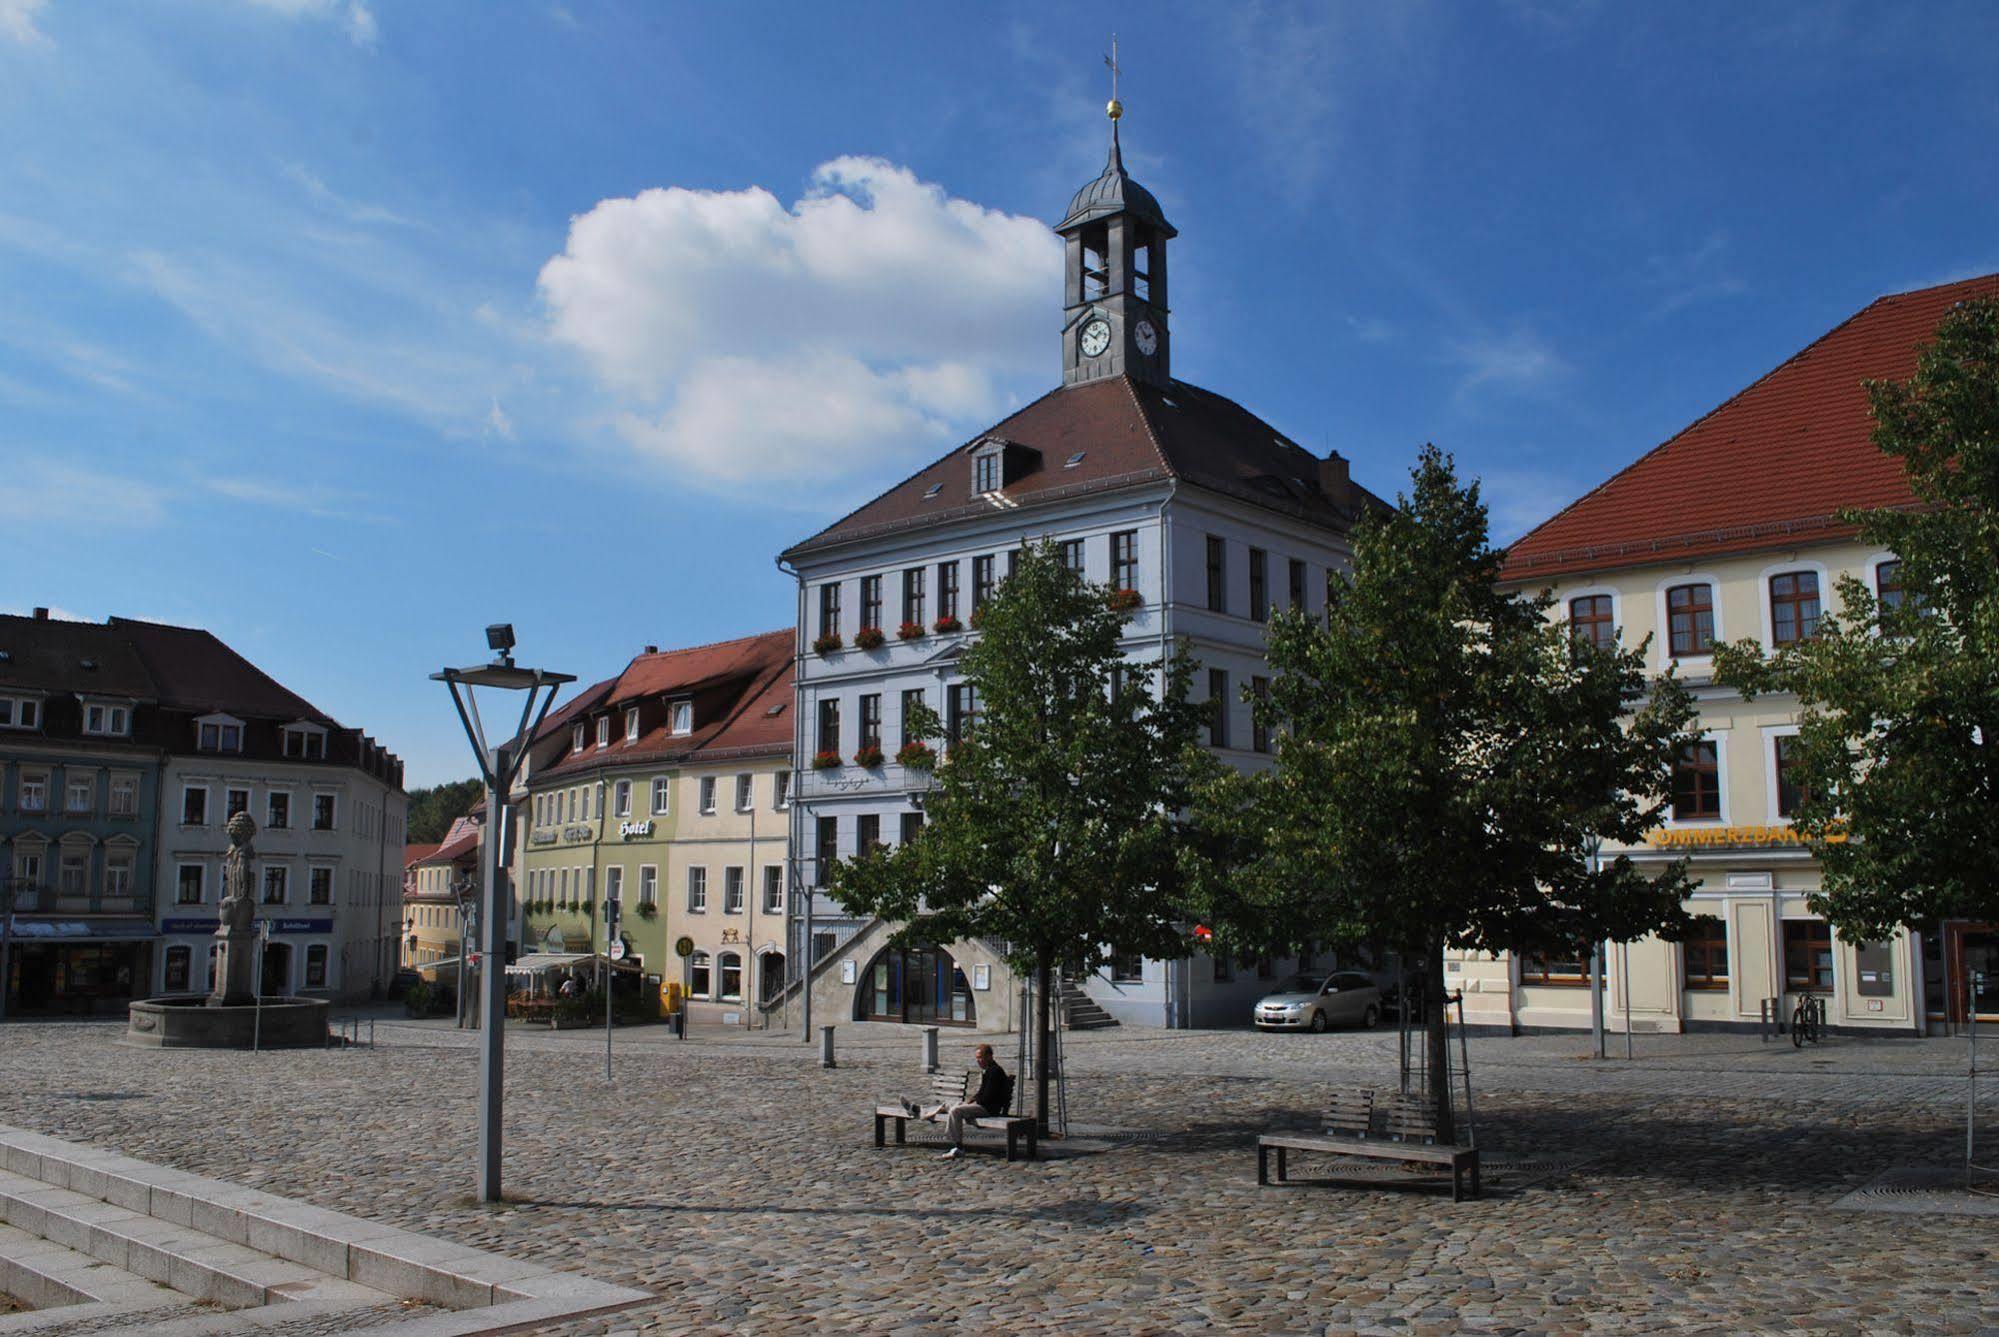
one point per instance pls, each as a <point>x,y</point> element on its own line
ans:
<point>869,638</point>
<point>947,624</point>
<point>826,761</point>
<point>910,631</point>
<point>870,756</point>
<point>827,643</point>
<point>916,754</point>
<point>1124,601</point>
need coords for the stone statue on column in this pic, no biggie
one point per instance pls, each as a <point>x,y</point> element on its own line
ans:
<point>236,977</point>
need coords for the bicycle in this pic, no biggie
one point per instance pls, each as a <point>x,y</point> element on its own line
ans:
<point>1808,1021</point>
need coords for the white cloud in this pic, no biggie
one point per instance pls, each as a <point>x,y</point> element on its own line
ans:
<point>17,21</point>
<point>61,495</point>
<point>353,15</point>
<point>498,423</point>
<point>874,315</point>
<point>1518,363</point>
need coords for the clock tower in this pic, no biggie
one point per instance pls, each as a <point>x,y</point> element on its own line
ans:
<point>1114,285</point>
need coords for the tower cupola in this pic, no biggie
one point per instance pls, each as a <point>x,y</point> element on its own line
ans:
<point>1114,285</point>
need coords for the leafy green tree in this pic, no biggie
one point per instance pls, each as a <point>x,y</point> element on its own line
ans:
<point>1898,742</point>
<point>1052,829</point>
<point>432,810</point>
<point>1446,755</point>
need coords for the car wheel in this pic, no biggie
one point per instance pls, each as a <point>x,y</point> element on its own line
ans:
<point>1370,1017</point>
<point>1318,1023</point>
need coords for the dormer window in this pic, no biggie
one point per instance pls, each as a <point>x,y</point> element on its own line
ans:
<point>632,724</point>
<point>106,721</point>
<point>576,736</point>
<point>681,714</point>
<point>986,472</point>
<point>603,731</point>
<point>20,712</point>
<point>219,733</point>
<point>305,742</point>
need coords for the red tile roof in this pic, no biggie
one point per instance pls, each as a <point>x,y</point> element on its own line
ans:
<point>1768,468</point>
<point>1127,432</point>
<point>416,854</point>
<point>728,679</point>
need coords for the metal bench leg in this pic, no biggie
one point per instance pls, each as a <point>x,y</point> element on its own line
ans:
<point>901,1126</point>
<point>1012,1143</point>
<point>1262,1164</point>
<point>1476,1191</point>
<point>1283,1164</point>
<point>1034,1142</point>
<point>879,1130</point>
<point>1457,1182</point>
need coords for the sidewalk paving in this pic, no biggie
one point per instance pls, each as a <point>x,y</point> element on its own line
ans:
<point>737,1180</point>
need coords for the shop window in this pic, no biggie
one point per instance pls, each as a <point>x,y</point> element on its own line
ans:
<point>1794,607</point>
<point>1566,970</point>
<point>732,977</point>
<point>1690,619</point>
<point>1697,782</point>
<point>697,975</point>
<point>1807,955</point>
<point>179,961</point>
<point>315,966</point>
<point>1705,954</point>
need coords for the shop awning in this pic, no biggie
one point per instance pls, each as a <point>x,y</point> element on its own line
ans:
<point>535,962</point>
<point>83,930</point>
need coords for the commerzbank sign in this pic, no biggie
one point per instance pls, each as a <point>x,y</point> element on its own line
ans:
<point>1734,837</point>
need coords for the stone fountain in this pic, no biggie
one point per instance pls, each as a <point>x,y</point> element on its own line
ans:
<point>233,1016</point>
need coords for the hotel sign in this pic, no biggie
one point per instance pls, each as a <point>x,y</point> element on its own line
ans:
<point>634,830</point>
<point>1734,837</point>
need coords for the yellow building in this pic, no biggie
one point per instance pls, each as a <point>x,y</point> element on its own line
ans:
<point>1730,531</point>
<point>668,789</point>
<point>431,891</point>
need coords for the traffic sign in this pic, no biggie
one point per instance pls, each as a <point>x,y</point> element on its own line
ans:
<point>617,952</point>
<point>683,946</point>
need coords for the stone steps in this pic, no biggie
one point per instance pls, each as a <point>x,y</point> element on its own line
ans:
<point>262,1255</point>
<point>1080,1012</point>
<point>46,1276</point>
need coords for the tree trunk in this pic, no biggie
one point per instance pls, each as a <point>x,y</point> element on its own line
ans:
<point>1438,1038</point>
<point>1044,980</point>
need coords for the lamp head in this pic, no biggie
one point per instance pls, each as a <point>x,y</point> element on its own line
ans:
<point>500,639</point>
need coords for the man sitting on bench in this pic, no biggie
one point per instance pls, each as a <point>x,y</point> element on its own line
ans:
<point>995,1096</point>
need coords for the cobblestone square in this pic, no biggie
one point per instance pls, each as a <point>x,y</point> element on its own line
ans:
<point>737,1181</point>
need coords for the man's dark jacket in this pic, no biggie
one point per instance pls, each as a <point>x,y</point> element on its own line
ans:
<point>995,1089</point>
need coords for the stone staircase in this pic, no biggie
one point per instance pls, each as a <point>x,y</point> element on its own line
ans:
<point>97,1242</point>
<point>1080,1012</point>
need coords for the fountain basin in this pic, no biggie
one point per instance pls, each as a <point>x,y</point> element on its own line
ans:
<point>185,1021</point>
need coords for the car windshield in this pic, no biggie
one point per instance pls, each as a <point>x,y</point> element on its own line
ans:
<point>1302,984</point>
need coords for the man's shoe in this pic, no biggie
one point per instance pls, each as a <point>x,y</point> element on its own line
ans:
<point>950,1155</point>
<point>910,1105</point>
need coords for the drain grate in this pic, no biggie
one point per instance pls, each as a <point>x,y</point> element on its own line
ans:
<point>1923,1189</point>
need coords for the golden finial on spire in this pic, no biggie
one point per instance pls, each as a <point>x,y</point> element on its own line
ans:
<point>1114,108</point>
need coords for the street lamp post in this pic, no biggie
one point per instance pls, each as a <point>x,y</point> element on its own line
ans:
<point>1593,846</point>
<point>499,764</point>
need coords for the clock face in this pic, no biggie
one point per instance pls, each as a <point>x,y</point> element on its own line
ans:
<point>1096,337</point>
<point>1148,338</point>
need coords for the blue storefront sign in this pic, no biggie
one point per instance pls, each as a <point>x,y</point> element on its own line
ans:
<point>208,925</point>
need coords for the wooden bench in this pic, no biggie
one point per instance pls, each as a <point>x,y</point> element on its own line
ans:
<point>949,1089</point>
<point>1401,1129</point>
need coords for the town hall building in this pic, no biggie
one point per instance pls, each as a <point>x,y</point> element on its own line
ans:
<point>1210,517</point>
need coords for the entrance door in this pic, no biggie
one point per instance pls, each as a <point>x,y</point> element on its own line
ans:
<point>277,978</point>
<point>1972,949</point>
<point>921,985</point>
<point>770,976</point>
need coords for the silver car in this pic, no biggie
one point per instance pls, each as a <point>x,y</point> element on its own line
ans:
<point>1314,1002</point>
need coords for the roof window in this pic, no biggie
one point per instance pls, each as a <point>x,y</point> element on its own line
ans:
<point>775,710</point>
<point>932,491</point>
<point>1074,460</point>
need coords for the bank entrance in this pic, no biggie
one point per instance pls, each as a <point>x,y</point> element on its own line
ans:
<point>921,985</point>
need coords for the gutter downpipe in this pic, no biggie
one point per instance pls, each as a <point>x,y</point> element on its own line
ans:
<point>804,954</point>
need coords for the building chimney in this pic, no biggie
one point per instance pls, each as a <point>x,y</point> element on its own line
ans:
<point>652,649</point>
<point>1334,479</point>
<point>41,615</point>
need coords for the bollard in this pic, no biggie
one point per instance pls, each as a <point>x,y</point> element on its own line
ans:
<point>826,1047</point>
<point>930,1049</point>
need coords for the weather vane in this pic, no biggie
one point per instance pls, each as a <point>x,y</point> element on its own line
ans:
<point>1116,108</point>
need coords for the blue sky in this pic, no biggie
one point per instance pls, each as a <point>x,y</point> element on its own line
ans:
<point>343,327</point>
